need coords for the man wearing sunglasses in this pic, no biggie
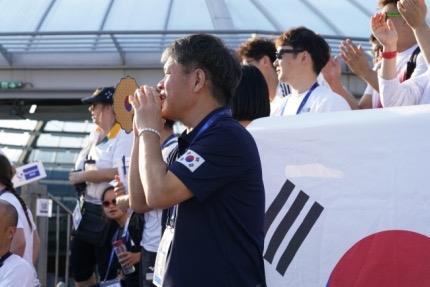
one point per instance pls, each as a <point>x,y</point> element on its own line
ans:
<point>301,55</point>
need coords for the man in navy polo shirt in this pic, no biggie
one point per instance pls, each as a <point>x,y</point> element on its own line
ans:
<point>215,184</point>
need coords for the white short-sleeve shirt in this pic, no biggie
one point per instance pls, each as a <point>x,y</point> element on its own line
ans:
<point>321,100</point>
<point>17,272</point>
<point>22,223</point>
<point>108,154</point>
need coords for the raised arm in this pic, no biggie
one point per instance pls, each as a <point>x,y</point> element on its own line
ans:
<point>414,12</point>
<point>137,198</point>
<point>162,188</point>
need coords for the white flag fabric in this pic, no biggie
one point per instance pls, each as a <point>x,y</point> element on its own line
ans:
<point>347,198</point>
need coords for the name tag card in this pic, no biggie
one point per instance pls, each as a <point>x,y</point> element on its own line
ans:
<point>28,173</point>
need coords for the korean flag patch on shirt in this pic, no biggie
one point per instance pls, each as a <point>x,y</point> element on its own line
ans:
<point>191,160</point>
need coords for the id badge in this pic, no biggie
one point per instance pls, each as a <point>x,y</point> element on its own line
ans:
<point>160,260</point>
<point>77,215</point>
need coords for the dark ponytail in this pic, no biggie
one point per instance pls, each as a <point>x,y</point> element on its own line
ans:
<point>6,175</point>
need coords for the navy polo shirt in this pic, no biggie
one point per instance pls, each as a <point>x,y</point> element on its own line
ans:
<point>219,235</point>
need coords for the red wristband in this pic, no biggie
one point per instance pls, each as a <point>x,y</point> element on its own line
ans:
<point>389,55</point>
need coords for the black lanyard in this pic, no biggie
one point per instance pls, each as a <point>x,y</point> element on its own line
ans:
<point>4,257</point>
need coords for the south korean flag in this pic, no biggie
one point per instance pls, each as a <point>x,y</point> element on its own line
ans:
<point>191,160</point>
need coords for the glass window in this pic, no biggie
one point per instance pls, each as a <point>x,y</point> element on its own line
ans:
<point>341,13</point>
<point>49,140</point>
<point>21,15</point>
<point>16,139</point>
<point>76,15</point>
<point>12,154</point>
<point>77,127</point>
<point>129,15</point>
<point>249,18</point>
<point>42,155</point>
<point>295,13</point>
<point>184,19</point>
<point>66,157</point>
<point>18,124</point>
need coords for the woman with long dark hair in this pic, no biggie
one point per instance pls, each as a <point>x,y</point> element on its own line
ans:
<point>26,234</point>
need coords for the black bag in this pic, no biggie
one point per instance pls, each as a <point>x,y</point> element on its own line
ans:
<point>94,226</point>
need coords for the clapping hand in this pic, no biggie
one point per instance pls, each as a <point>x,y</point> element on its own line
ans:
<point>355,57</point>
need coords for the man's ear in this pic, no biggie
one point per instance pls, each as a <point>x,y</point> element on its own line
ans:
<point>11,231</point>
<point>265,61</point>
<point>305,57</point>
<point>199,79</point>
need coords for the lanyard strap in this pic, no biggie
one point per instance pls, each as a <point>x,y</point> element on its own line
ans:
<point>6,256</point>
<point>125,235</point>
<point>173,211</point>
<point>306,98</point>
<point>304,101</point>
<point>109,265</point>
<point>213,119</point>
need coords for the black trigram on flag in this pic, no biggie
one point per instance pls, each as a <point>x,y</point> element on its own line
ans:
<point>284,226</point>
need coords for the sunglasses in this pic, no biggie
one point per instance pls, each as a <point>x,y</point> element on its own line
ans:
<point>283,51</point>
<point>107,203</point>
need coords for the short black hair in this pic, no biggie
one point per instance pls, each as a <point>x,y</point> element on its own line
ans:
<point>11,215</point>
<point>251,100</point>
<point>308,40</point>
<point>208,53</point>
<point>257,48</point>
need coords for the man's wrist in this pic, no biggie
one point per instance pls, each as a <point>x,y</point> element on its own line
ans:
<point>141,131</point>
<point>421,28</point>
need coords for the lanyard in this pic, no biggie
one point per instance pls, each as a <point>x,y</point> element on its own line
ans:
<point>173,211</point>
<point>125,234</point>
<point>304,101</point>
<point>6,256</point>
<point>124,167</point>
<point>213,119</point>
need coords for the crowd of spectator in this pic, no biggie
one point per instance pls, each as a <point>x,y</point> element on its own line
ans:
<point>192,210</point>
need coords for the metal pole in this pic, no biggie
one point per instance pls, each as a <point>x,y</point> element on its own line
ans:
<point>66,279</point>
<point>57,244</point>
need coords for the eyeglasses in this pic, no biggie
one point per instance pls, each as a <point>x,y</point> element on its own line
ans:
<point>283,51</point>
<point>107,203</point>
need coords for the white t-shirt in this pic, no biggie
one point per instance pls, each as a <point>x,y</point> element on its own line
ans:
<point>415,91</point>
<point>281,91</point>
<point>23,224</point>
<point>321,100</point>
<point>401,63</point>
<point>151,234</point>
<point>108,154</point>
<point>17,272</point>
